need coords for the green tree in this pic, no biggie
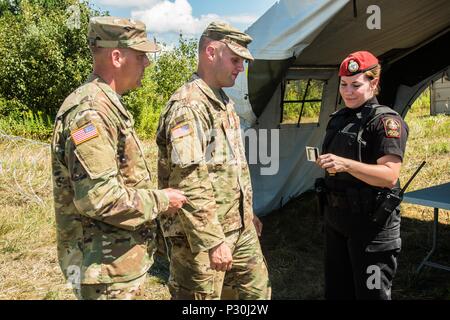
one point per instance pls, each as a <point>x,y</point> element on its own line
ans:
<point>44,57</point>
<point>170,70</point>
<point>175,67</point>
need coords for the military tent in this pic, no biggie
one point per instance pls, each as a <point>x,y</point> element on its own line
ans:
<point>298,45</point>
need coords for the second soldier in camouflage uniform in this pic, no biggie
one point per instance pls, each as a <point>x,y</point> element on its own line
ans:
<point>215,250</point>
<point>104,205</point>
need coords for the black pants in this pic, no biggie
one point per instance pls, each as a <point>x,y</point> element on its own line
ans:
<point>352,271</point>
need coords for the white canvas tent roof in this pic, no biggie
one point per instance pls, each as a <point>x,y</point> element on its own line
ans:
<point>308,39</point>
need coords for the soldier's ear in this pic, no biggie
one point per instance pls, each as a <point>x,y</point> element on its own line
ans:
<point>116,57</point>
<point>210,51</point>
<point>374,83</point>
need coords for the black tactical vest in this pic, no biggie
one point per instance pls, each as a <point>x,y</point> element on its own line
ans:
<point>344,138</point>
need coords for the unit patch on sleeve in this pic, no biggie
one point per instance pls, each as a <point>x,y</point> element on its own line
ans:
<point>83,134</point>
<point>392,127</point>
<point>181,131</point>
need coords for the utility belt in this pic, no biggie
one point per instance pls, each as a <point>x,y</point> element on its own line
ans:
<point>336,200</point>
<point>359,199</point>
<point>375,203</point>
<point>352,196</point>
<point>354,200</point>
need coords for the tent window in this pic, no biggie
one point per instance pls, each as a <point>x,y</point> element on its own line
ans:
<point>301,101</point>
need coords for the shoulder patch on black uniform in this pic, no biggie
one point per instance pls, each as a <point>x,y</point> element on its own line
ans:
<point>392,127</point>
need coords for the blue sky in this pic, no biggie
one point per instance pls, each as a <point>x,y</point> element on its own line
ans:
<point>166,18</point>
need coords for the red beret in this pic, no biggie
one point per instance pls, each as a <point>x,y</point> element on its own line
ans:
<point>357,62</point>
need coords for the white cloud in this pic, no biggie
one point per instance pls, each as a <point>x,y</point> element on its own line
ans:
<point>167,18</point>
<point>173,17</point>
<point>128,3</point>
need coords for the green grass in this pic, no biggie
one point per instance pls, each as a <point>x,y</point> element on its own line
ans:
<point>29,125</point>
<point>292,237</point>
<point>292,242</point>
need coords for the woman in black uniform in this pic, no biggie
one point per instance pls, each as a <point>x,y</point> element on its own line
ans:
<point>362,155</point>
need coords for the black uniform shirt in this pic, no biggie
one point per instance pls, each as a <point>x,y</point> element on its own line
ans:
<point>386,135</point>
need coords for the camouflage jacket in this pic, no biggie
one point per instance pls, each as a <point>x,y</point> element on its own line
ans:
<point>201,152</point>
<point>104,206</point>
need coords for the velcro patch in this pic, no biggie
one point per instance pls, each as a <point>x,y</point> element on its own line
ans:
<point>181,131</point>
<point>83,134</point>
<point>180,119</point>
<point>392,127</point>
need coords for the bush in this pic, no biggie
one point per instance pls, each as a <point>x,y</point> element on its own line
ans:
<point>12,108</point>
<point>44,58</point>
<point>36,126</point>
<point>161,80</point>
<point>173,68</point>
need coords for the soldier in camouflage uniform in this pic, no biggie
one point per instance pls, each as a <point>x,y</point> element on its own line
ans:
<point>104,205</point>
<point>215,250</point>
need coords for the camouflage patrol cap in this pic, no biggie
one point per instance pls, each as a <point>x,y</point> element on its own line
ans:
<point>115,32</point>
<point>236,40</point>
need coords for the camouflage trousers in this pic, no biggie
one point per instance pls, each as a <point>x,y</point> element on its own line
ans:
<point>130,290</point>
<point>191,277</point>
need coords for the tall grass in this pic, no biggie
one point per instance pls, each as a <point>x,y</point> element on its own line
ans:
<point>429,140</point>
<point>36,126</point>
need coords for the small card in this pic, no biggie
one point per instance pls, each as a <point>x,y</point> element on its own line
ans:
<point>312,153</point>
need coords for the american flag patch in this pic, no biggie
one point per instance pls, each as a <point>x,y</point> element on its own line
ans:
<point>181,131</point>
<point>84,133</point>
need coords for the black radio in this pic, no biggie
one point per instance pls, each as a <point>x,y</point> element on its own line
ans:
<point>390,200</point>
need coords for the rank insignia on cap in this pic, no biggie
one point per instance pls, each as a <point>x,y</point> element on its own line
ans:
<point>353,66</point>
<point>392,127</point>
<point>181,131</point>
<point>84,133</point>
